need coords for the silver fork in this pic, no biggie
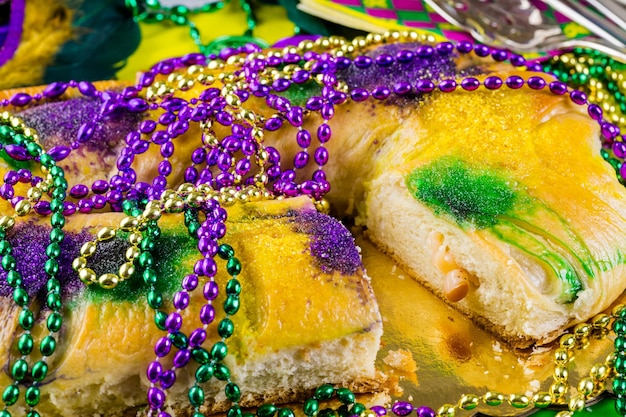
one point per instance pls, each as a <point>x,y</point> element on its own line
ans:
<point>517,25</point>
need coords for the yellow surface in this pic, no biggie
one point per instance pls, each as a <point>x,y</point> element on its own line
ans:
<point>161,41</point>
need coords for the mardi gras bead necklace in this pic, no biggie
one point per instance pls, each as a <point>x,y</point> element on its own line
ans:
<point>152,11</point>
<point>264,75</point>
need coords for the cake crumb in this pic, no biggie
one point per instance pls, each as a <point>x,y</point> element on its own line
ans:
<point>496,347</point>
<point>401,360</point>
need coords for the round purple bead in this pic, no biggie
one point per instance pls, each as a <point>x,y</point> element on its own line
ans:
<point>558,87</point>
<point>207,314</point>
<point>425,86</point>
<point>402,88</point>
<point>324,133</point>
<point>321,156</point>
<point>181,358</point>
<point>190,282</point>
<point>464,47</point>
<point>493,83</point>
<point>98,201</point>
<point>363,62</point>
<point>55,89</point>
<point>619,148</point>
<point>314,103</point>
<point>303,137</point>
<point>578,97</point>
<point>425,51</point>
<point>358,94</point>
<point>609,130</point>
<point>500,55</point>
<point>167,379</point>
<point>536,83</point>
<point>381,92</point>
<point>379,410</point>
<point>595,111</point>
<point>156,397</point>
<point>402,408</point>
<point>181,300</point>
<point>300,160</point>
<point>424,411</point>
<point>445,48</point>
<point>205,267</point>
<point>173,322</point>
<point>59,153</point>
<point>87,89</point>
<point>405,56</point>
<point>517,60</point>
<point>384,60</point>
<point>470,84</point>
<point>163,347</point>
<point>447,86</point>
<point>153,372</point>
<point>197,337</point>
<point>210,290</point>
<point>514,82</point>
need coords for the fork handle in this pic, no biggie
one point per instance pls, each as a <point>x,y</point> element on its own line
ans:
<point>580,14</point>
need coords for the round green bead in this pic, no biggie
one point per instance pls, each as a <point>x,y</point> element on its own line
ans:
<point>159,319</point>
<point>620,364</point>
<point>51,267</point>
<point>234,411</point>
<point>6,133</point>
<point>59,194</point>
<point>60,182</point>
<point>232,391</point>
<point>247,414</point>
<point>48,345</point>
<point>19,139</point>
<point>155,299</point>
<point>32,395</point>
<point>200,355</point>
<point>225,251</point>
<point>286,412</point>
<point>54,322</point>
<point>266,410</point>
<point>10,394</point>
<point>619,326</point>
<point>57,235</point>
<point>26,319</point>
<point>324,392</point>
<point>14,278</point>
<point>53,301</point>
<point>53,285</point>
<point>57,171</point>
<point>179,339</point>
<point>20,296</point>
<point>345,396</point>
<point>196,414</point>
<point>8,262</point>
<point>327,412</point>
<point>150,276</point>
<point>233,287</point>
<point>33,149</point>
<point>146,260</point>
<point>231,304</point>
<point>233,266</point>
<point>5,247</point>
<point>40,371</point>
<point>620,405</point>
<point>57,220</point>
<point>204,373</point>
<point>193,228</point>
<point>56,205</point>
<point>128,205</point>
<point>310,407</point>
<point>196,396</point>
<point>154,232</point>
<point>19,370</point>
<point>147,244</point>
<point>33,413</point>
<point>358,408</point>
<point>25,344</point>
<point>225,328</point>
<point>219,351</point>
<point>222,372</point>
<point>5,413</point>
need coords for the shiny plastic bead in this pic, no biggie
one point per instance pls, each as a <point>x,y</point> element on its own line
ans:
<point>10,394</point>
<point>446,410</point>
<point>493,398</point>
<point>345,396</point>
<point>468,402</point>
<point>32,395</point>
<point>225,328</point>
<point>26,319</point>
<point>204,373</point>
<point>25,344</point>
<point>196,396</point>
<point>221,372</point>
<point>324,392</point>
<point>219,351</point>
<point>519,401</point>
<point>232,392</point>
<point>266,410</point>
<point>48,345</point>
<point>39,371</point>
<point>402,408</point>
<point>231,305</point>
<point>310,407</point>
<point>19,369</point>
<point>542,399</point>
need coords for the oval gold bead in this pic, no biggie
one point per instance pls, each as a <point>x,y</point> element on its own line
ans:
<point>600,321</point>
<point>174,205</point>
<point>79,263</point>
<point>132,253</point>
<point>493,398</point>
<point>173,77</point>
<point>260,179</point>
<point>618,310</point>
<point>610,359</point>
<point>560,373</point>
<point>599,371</point>
<point>193,69</point>
<point>106,233</point>
<point>519,401</point>
<point>567,341</point>
<point>561,356</point>
<point>323,206</point>
<point>216,64</point>
<point>129,223</point>
<point>185,84</point>
<point>195,199</point>
<point>576,403</point>
<point>108,281</point>
<point>88,249</point>
<point>564,413</point>
<point>446,410</point>
<point>582,331</point>
<point>87,275</point>
<point>542,399</point>
<point>468,402</point>
<point>558,389</point>
<point>186,188</point>
<point>34,193</point>
<point>5,116</point>
<point>126,270</point>
<point>586,386</point>
<point>23,207</point>
<point>152,213</point>
<point>167,194</point>
<point>135,238</point>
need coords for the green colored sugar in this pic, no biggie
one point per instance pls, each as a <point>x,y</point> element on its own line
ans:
<point>298,94</point>
<point>174,255</point>
<point>470,195</point>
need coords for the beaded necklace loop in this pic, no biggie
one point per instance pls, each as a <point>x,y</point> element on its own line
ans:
<point>237,168</point>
